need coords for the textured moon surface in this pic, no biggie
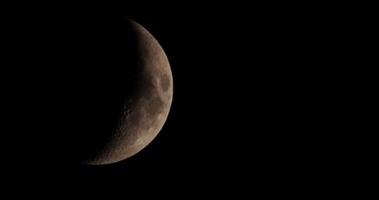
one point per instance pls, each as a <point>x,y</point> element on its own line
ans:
<point>147,107</point>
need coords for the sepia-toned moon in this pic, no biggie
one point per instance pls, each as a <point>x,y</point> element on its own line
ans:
<point>146,109</point>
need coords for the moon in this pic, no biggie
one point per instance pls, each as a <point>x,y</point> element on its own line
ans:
<point>146,108</point>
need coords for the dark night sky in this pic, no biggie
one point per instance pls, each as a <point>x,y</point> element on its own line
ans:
<point>236,98</point>
<point>240,107</point>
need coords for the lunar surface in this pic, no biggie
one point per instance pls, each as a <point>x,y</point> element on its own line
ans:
<point>146,108</point>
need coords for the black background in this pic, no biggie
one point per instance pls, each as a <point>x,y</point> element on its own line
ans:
<point>245,84</point>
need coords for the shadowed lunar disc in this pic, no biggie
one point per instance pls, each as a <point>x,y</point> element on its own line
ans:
<point>146,108</point>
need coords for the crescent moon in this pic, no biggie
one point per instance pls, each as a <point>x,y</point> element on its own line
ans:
<point>146,109</point>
